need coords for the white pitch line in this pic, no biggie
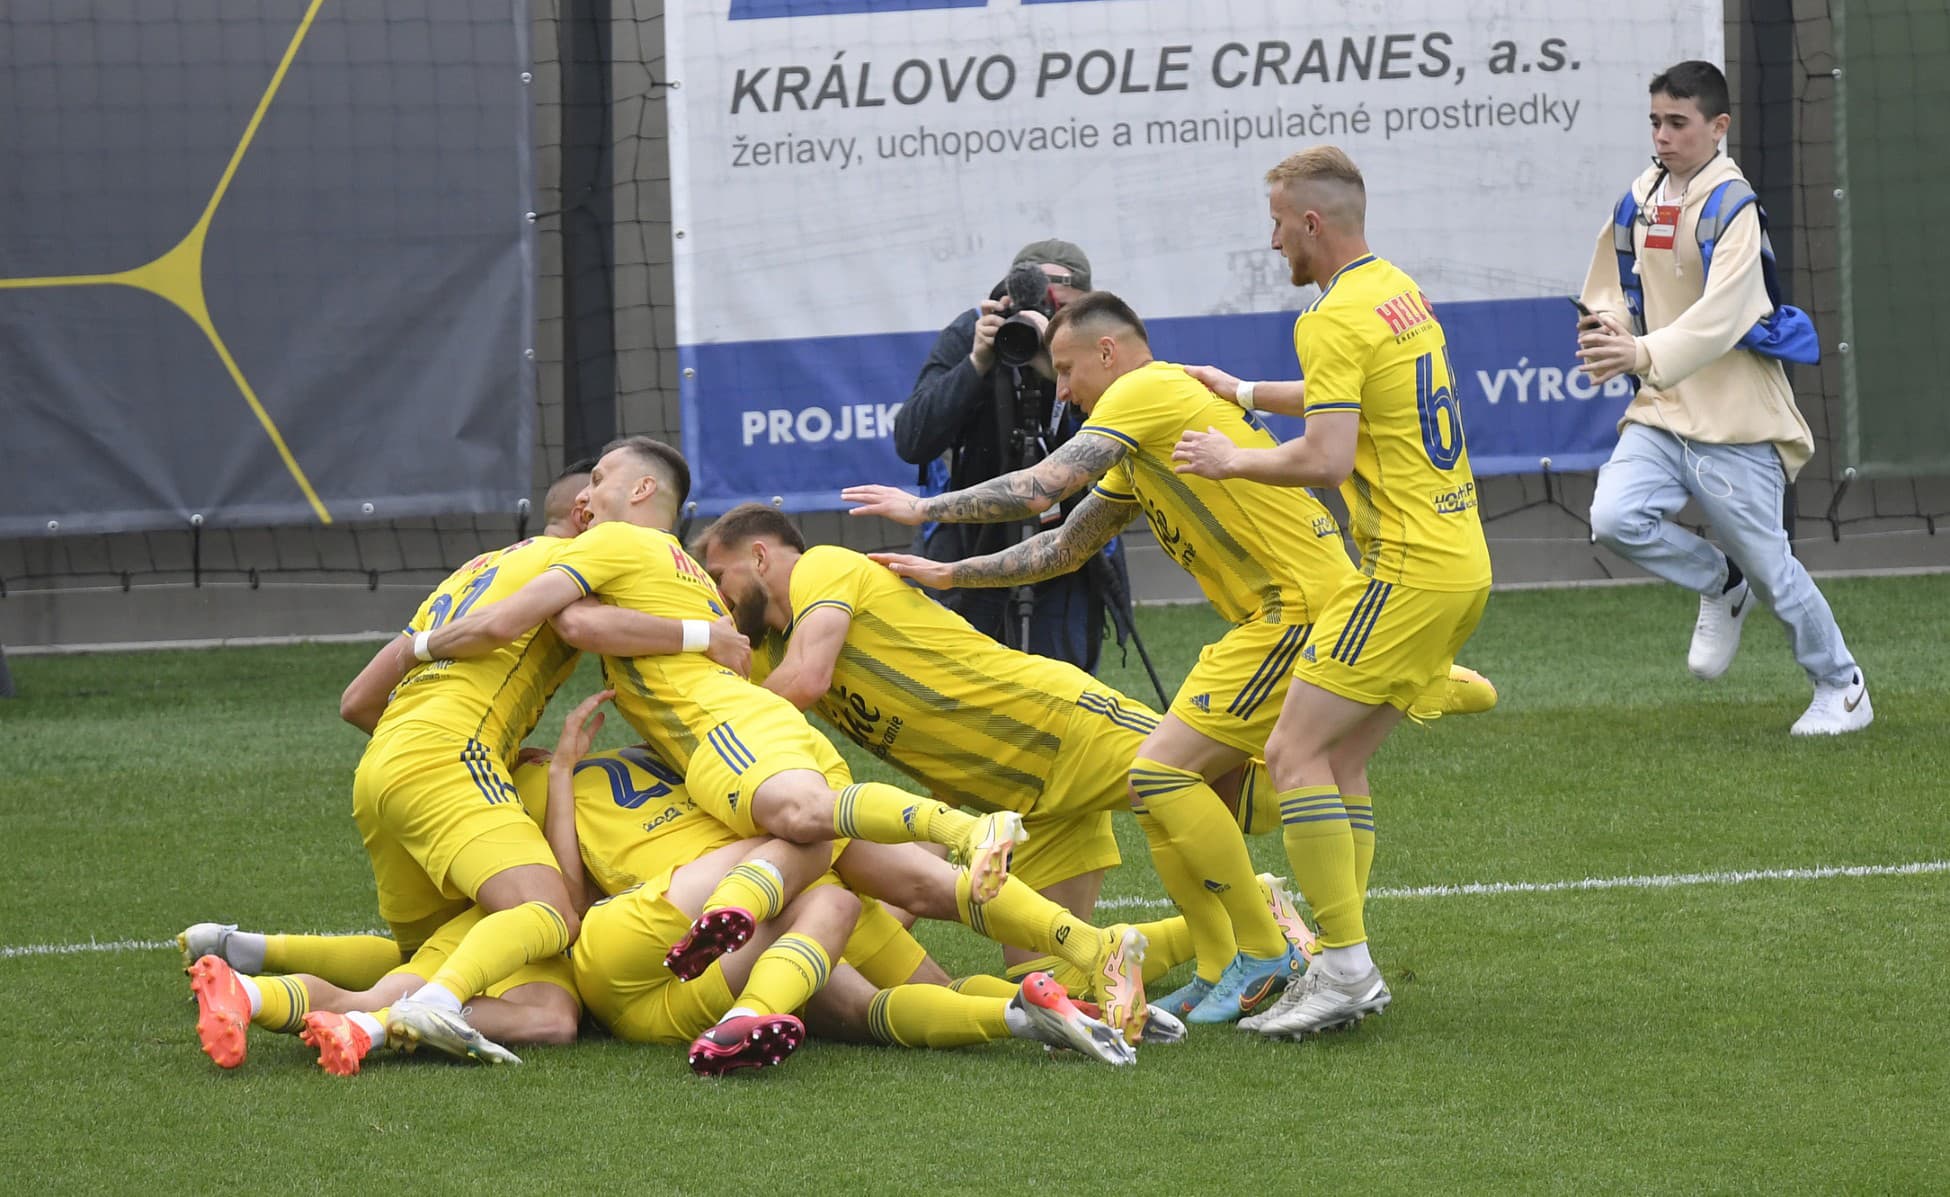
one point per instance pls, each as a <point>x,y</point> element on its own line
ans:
<point>1472,889</point>
<point>1657,881</point>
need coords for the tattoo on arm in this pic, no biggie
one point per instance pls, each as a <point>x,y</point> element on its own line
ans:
<point>1019,495</point>
<point>1047,554</point>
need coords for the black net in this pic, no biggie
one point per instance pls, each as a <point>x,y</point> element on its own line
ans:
<point>605,342</point>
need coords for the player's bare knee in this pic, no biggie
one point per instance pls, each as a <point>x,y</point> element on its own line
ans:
<point>1287,761</point>
<point>797,816</point>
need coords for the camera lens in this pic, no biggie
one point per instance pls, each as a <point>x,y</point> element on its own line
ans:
<point>1017,341</point>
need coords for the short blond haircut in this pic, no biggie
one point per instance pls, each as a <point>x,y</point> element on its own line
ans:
<point>1325,174</point>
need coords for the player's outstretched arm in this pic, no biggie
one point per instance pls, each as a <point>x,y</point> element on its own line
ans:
<point>1094,523</point>
<point>1323,457</point>
<point>806,673</point>
<point>559,823</point>
<point>1282,398</point>
<point>1012,496</point>
<point>500,623</point>
<point>364,701</point>
<point>595,627</point>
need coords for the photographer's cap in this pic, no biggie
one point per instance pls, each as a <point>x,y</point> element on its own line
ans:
<point>1063,253</point>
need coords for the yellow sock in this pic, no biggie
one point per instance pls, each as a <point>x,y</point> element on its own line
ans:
<point>1022,918</point>
<point>935,1016</point>
<point>1206,838</point>
<point>284,1003</point>
<point>872,810</point>
<point>1320,848</point>
<point>347,961</point>
<point>787,975</point>
<point>754,886</point>
<point>883,951</point>
<point>1210,926</point>
<point>1360,819</point>
<point>1171,946</point>
<point>499,944</point>
<point>985,985</point>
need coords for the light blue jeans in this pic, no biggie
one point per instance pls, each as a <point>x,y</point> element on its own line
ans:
<point>1650,476</point>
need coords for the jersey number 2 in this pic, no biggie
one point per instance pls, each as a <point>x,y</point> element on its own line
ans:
<point>1440,411</point>
<point>443,605</point>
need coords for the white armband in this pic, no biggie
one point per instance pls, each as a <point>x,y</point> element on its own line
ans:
<point>697,635</point>
<point>1244,398</point>
<point>420,650</point>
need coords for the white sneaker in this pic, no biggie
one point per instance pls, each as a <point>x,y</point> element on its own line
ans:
<point>411,1025</point>
<point>1716,637</point>
<point>1836,709</point>
<point>1323,1002</point>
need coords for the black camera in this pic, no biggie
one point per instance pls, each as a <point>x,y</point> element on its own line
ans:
<point>1028,290</point>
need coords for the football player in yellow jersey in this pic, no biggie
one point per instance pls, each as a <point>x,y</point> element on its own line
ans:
<point>737,1009</point>
<point>978,723</point>
<point>748,756</point>
<point>1266,559</point>
<point>1384,424</point>
<point>436,808</point>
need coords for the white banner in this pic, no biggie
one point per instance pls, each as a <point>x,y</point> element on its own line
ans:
<point>858,168</point>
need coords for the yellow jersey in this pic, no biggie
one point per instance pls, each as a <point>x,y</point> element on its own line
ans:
<point>634,819</point>
<point>918,687</point>
<point>1371,344</point>
<point>495,698</point>
<point>1260,553</point>
<point>674,700</point>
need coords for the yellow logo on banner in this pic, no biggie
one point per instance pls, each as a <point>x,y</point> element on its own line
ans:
<point>177,275</point>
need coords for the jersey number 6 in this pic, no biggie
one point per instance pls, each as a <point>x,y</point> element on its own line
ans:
<point>1440,412</point>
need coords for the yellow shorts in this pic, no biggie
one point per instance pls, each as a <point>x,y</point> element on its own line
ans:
<point>618,964</point>
<point>439,816</point>
<point>432,954</point>
<point>1382,642</point>
<point>1234,692</point>
<point>744,752</point>
<point>1063,847</point>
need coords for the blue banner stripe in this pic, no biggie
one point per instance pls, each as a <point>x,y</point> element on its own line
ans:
<point>753,430</point>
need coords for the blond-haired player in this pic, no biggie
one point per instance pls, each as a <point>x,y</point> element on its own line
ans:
<point>1265,558</point>
<point>1383,423</point>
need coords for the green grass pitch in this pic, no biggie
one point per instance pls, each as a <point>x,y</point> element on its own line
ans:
<point>1769,1035</point>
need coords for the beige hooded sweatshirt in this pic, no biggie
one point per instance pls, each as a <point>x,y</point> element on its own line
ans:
<point>1696,385</point>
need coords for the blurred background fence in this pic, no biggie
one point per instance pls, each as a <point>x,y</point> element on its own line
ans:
<point>1838,121</point>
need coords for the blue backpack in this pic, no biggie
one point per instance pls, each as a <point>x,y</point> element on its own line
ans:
<point>1786,333</point>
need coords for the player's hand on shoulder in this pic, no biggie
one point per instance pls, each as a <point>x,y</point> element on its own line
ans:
<point>1217,381</point>
<point>1208,454</point>
<point>935,575</point>
<point>531,755</point>
<point>729,647</point>
<point>889,501</point>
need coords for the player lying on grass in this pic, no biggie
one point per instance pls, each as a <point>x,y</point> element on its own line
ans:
<point>629,809</point>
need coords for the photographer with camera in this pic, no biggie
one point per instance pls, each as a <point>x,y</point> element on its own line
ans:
<point>984,405</point>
